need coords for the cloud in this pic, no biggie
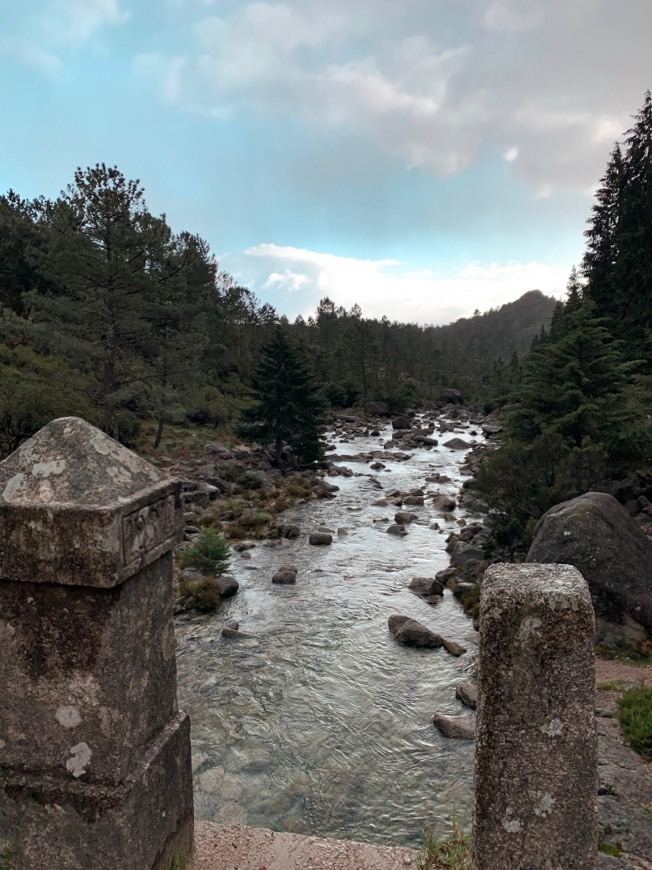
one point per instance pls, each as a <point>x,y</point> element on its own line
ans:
<point>30,54</point>
<point>75,21</point>
<point>429,85</point>
<point>296,278</point>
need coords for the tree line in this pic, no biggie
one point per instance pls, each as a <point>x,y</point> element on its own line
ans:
<point>108,313</point>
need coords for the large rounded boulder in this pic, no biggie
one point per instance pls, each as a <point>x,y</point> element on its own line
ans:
<point>596,534</point>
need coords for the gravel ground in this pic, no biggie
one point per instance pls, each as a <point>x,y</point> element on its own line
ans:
<point>240,848</point>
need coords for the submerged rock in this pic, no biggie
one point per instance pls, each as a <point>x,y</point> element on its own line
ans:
<point>286,574</point>
<point>457,727</point>
<point>467,693</point>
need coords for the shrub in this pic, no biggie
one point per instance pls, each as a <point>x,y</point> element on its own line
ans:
<point>205,593</point>
<point>635,715</point>
<point>209,553</point>
<point>250,480</point>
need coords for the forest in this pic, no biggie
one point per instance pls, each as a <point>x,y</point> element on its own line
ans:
<point>109,313</point>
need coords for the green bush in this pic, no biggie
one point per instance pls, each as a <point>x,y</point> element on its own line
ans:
<point>205,593</point>
<point>250,480</point>
<point>209,554</point>
<point>635,715</point>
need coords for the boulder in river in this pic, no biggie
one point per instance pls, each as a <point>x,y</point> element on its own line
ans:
<point>411,633</point>
<point>426,587</point>
<point>397,529</point>
<point>413,500</point>
<point>320,539</point>
<point>403,517</point>
<point>289,530</point>
<point>401,422</point>
<point>323,486</point>
<point>457,444</point>
<point>226,585</point>
<point>445,503</point>
<point>597,535</point>
<point>286,575</point>
<point>459,727</point>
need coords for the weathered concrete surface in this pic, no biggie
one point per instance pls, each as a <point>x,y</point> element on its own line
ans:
<point>47,823</point>
<point>78,508</point>
<point>94,755</point>
<point>241,848</point>
<point>88,675</point>
<point>536,763</point>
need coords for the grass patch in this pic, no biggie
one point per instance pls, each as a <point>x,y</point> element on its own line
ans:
<point>609,849</point>
<point>635,715</point>
<point>7,859</point>
<point>612,686</point>
<point>453,853</point>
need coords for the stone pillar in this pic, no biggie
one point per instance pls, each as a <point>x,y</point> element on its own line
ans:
<point>536,763</point>
<point>94,754</point>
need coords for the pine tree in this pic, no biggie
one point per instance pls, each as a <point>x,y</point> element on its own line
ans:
<point>618,259</point>
<point>288,407</point>
<point>580,388</point>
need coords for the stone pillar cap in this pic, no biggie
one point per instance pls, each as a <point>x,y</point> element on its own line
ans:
<point>77,507</point>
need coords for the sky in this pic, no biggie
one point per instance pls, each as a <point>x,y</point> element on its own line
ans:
<point>421,158</point>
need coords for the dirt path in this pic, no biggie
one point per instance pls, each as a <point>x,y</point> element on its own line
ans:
<point>625,779</point>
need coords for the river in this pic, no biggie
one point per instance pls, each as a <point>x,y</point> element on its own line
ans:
<point>320,723</point>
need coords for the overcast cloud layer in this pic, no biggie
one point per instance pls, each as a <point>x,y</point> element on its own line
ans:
<point>422,158</point>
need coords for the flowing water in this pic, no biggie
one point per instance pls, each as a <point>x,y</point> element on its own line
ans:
<point>320,722</point>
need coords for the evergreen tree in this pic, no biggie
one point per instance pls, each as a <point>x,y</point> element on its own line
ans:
<point>618,260</point>
<point>579,387</point>
<point>288,407</point>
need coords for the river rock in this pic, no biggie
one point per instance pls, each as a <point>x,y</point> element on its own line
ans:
<point>403,517</point>
<point>426,441</point>
<point>445,503</point>
<point>426,587</point>
<point>467,693</point>
<point>458,727</point>
<point>289,530</point>
<point>397,529</point>
<point>414,500</point>
<point>325,486</point>
<point>232,631</point>
<point>457,444</point>
<point>286,574</point>
<point>453,648</point>
<point>597,535</point>
<point>463,553</point>
<point>192,574</point>
<point>411,633</point>
<point>227,585</point>
<point>401,422</point>
<point>320,539</point>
